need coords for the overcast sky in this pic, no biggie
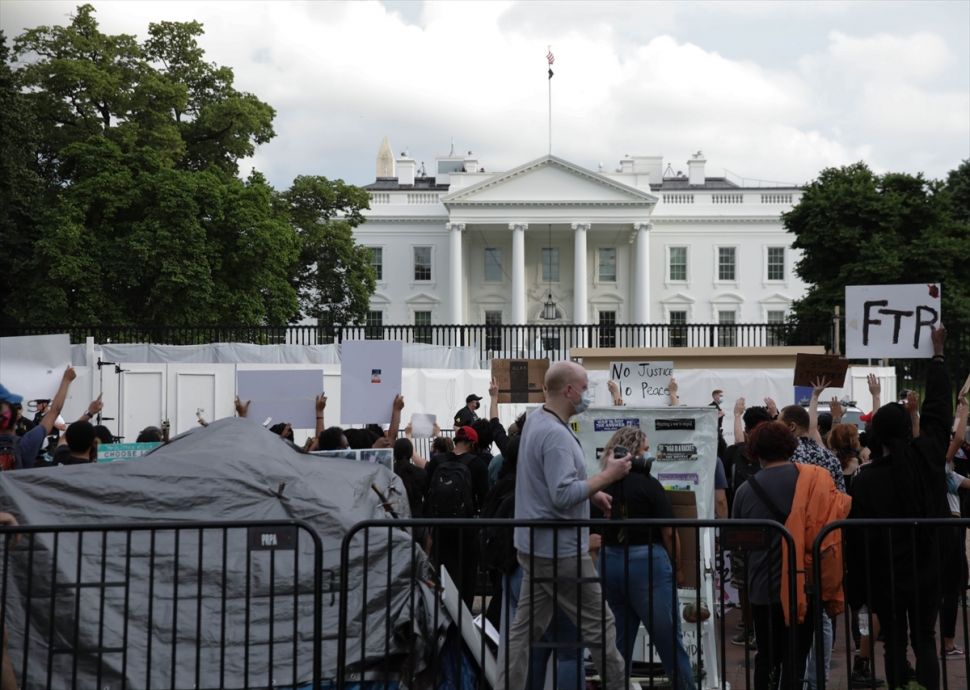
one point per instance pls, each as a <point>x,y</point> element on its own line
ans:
<point>768,90</point>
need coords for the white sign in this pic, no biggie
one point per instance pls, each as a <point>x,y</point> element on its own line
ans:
<point>281,395</point>
<point>370,378</point>
<point>643,384</point>
<point>422,425</point>
<point>32,365</point>
<point>891,320</point>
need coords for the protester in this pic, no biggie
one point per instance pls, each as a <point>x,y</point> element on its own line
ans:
<point>642,567</point>
<point>717,397</point>
<point>21,452</point>
<point>551,483</point>
<point>954,573</point>
<point>468,415</point>
<point>810,449</point>
<point>415,478</point>
<point>906,479</point>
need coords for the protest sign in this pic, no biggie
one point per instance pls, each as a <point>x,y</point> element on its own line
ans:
<point>891,320</point>
<point>422,425</point>
<point>281,395</point>
<point>370,378</point>
<point>377,456</point>
<point>643,384</point>
<point>808,368</point>
<point>520,380</point>
<point>32,365</point>
<point>110,452</point>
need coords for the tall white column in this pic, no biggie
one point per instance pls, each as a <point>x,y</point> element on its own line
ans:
<point>518,272</point>
<point>456,315</point>
<point>641,275</point>
<point>580,298</point>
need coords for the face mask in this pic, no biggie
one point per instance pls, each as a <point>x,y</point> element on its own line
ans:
<point>585,400</point>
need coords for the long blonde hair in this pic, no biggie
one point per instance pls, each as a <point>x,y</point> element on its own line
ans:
<point>630,437</point>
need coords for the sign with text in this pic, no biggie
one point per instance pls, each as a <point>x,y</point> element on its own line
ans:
<point>643,384</point>
<point>111,452</point>
<point>891,320</point>
<point>520,380</point>
<point>808,368</point>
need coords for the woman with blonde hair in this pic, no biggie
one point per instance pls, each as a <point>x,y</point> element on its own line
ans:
<point>642,566</point>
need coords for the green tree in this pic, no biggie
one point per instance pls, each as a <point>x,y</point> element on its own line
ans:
<point>335,278</point>
<point>121,195</point>
<point>858,228</point>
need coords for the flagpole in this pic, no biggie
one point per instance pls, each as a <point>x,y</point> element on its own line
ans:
<point>550,59</point>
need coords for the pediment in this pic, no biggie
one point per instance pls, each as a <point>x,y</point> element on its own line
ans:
<point>678,298</point>
<point>777,298</point>
<point>549,181</point>
<point>422,298</point>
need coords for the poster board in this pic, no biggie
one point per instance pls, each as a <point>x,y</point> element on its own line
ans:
<point>281,395</point>
<point>422,425</point>
<point>809,367</point>
<point>370,378</point>
<point>891,320</point>
<point>112,452</point>
<point>32,365</point>
<point>520,380</point>
<point>643,384</point>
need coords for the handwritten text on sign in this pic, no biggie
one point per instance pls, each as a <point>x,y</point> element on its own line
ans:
<point>643,384</point>
<point>891,320</point>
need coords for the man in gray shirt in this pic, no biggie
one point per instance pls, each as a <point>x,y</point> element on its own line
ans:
<point>551,484</point>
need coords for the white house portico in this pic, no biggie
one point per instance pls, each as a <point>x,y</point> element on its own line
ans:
<point>553,241</point>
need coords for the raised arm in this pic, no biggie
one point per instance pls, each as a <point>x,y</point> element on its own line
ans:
<point>837,410</point>
<point>912,406</point>
<point>937,413</point>
<point>959,429</point>
<point>672,389</point>
<point>57,404</point>
<point>739,420</point>
<point>320,404</point>
<point>875,390</point>
<point>242,408</point>
<point>493,399</point>
<point>614,389</point>
<point>93,409</point>
<point>818,386</point>
<point>395,425</point>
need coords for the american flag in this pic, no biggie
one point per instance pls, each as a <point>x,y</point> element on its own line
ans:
<point>550,57</point>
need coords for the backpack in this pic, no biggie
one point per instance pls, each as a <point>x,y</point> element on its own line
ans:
<point>450,494</point>
<point>9,452</point>
<point>497,547</point>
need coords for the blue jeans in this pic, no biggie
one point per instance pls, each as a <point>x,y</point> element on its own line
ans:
<point>569,670</point>
<point>649,596</point>
<point>828,635</point>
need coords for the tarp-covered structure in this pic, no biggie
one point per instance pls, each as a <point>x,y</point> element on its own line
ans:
<point>123,616</point>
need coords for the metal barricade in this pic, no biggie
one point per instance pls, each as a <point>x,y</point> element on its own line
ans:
<point>162,605</point>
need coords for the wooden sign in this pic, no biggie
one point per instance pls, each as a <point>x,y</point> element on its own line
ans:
<point>808,368</point>
<point>520,380</point>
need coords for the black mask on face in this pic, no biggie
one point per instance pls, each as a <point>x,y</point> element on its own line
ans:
<point>477,404</point>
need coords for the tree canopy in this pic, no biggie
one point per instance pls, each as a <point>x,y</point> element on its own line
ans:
<point>120,196</point>
<point>855,227</point>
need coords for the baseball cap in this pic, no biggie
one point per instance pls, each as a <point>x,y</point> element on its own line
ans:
<point>8,397</point>
<point>473,397</point>
<point>466,433</point>
<point>867,417</point>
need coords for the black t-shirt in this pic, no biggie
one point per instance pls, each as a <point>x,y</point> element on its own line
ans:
<point>415,481</point>
<point>465,417</point>
<point>636,496</point>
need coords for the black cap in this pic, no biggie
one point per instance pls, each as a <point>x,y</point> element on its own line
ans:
<point>472,397</point>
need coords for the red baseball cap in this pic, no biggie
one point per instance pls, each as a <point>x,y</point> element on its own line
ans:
<point>466,433</point>
<point>867,417</point>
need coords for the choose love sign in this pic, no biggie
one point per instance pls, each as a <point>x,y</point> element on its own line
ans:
<point>643,384</point>
<point>891,320</point>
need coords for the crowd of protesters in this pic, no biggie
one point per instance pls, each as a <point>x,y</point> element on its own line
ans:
<point>570,589</point>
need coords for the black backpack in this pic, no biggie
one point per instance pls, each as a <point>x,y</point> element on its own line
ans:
<point>497,545</point>
<point>450,494</point>
<point>10,452</point>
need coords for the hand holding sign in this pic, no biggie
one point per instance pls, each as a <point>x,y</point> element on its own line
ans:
<point>643,384</point>
<point>938,337</point>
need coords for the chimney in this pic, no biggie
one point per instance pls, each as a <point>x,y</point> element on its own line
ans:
<point>695,170</point>
<point>406,168</point>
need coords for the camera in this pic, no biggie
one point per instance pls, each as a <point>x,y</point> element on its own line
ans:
<point>639,463</point>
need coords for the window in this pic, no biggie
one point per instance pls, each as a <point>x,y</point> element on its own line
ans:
<point>377,261</point>
<point>776,263</point>
<point>726,336</point>
<point>776,334</point>
<point>493,265</point>
<point>550,264</point>
<point>374,325</point>
<point>607,264</point>
<point>422,327</point>
<point>422,263</point>
<point>677,270</point>
<point>493,330</point>
<point>727,263</point>
<point>607,329</point>
<point>678,330</point>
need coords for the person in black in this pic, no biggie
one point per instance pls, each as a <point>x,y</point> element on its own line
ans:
<point>415,478</point>
<point>468,415</point>
<point>456,548</point>
<point>896,570</point>
<point>717,397</point>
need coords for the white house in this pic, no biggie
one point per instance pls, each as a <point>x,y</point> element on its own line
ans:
<point>551,241</point>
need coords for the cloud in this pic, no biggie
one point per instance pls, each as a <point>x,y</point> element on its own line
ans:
<point>636,78</point>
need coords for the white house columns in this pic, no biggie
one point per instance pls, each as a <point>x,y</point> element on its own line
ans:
<point>641,274</point>
<point>455,273</point>
<point>580,298</point>
<point>518,272</point>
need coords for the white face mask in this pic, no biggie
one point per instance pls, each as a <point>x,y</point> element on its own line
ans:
<point>585,400</point>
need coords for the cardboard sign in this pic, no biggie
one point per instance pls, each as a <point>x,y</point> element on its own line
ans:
<point>891,320</point>
<point>808,368</point>
<point>370,378</point>
<point>281,395</point>
<point>520,380</point>
<point>643,384</point>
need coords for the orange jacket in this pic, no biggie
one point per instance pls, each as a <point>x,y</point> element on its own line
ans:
<point>817,503</point>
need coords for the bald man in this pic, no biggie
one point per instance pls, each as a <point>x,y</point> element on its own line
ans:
<point>551,484</point>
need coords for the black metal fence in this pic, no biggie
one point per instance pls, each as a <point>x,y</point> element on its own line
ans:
<point>553,341</point>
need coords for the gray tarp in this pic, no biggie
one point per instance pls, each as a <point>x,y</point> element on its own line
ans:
<point>233,470</point>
